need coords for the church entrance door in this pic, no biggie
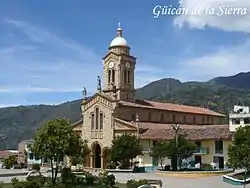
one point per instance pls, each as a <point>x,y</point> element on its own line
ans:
<point>97,156</point>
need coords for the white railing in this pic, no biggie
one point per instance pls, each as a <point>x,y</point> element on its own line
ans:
<point>96,134</point>
<point>233,115</point>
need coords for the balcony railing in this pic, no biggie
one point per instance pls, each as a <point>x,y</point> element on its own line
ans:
<point>96,134</point>
<point>219,151</point>
<point>243,115</point>
<point>201,151</point>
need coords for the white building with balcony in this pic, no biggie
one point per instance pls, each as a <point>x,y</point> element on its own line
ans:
<point>239,117</point>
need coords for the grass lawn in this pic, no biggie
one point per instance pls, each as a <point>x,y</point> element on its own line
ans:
<point>120,185</point>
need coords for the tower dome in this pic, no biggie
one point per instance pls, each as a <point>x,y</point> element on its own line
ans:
<point>119,40</point>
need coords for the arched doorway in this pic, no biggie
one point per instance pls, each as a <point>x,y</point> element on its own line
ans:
<point>97,155</point>
<point>105,158</point>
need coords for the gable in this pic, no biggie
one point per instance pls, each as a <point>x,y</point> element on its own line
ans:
<point>111,55</point>
<point>123,125</point>
<point>77,125</point>
<point>98,98</point>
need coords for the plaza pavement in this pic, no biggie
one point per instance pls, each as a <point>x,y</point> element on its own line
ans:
<point>168,182</point>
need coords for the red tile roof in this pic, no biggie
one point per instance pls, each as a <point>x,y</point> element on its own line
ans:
<point>158,131</point>
<point>170,107</point>
<point>4,154</point>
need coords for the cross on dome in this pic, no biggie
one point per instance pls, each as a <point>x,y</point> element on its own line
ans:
<point>119,30</point>
<point>118,40</point>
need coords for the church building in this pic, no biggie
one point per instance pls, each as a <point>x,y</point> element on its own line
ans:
<point>114,110</point>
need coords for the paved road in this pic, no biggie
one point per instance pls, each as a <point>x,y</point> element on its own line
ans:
<point>173,182</point>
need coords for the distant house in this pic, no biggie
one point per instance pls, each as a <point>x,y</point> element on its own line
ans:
<point>240,116</point>
<point>27,158</point>
<point>4,154</point>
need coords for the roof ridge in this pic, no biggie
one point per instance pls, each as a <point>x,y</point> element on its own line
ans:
<point>172,107</point>
<point>178,104</point>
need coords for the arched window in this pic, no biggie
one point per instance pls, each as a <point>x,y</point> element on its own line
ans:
<point>109,76</point>
<point>101,121</point>
<point>125,76</point>
<point>97,118</point>
<point>162,117</point>
<point>113,75</point>
<point>128,77</point>
<point>92,121</point>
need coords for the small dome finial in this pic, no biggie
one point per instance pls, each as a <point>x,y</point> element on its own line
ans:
<point>119,30</point>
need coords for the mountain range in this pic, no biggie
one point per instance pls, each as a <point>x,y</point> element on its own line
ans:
<point>219,94</point>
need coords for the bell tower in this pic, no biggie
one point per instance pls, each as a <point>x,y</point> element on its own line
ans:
<point>119,69</point>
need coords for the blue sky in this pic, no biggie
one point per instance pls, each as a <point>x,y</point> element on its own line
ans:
<point>50,50</point>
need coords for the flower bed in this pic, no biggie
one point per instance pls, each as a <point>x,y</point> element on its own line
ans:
<point>237,178</point>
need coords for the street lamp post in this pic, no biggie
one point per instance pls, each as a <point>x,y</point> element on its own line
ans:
<point>137,125</point>
<point>176,128</point>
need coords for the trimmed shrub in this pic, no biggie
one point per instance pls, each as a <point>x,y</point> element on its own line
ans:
<point>106,179</point>
<point>90,179</point>
<point>206,167</point>
<point>35,181</point>
<point>111,165</point>
<point>135,183</point>
<point>67,176</point>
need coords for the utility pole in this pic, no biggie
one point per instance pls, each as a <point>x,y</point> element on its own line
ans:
<point>176,128</point>
<point>137,125</point>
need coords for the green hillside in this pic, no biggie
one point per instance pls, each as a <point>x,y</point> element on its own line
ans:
<point>18,123</point>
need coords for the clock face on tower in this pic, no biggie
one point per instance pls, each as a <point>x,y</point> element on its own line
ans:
<point>128,65</point>
<point>111,64</point>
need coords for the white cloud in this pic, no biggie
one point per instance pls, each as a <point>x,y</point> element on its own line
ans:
<point>237,22</point>
<point>8,105</point>
<point>225,62</point>
<point>37,60</point>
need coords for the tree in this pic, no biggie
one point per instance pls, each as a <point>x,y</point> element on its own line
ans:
<point>80,157</point>
<point>124,148</point>
<point>239,150</point>
<point>54,140</point>
<point>184,148</point>
<point>10,161</point>
<point>160,151</point>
